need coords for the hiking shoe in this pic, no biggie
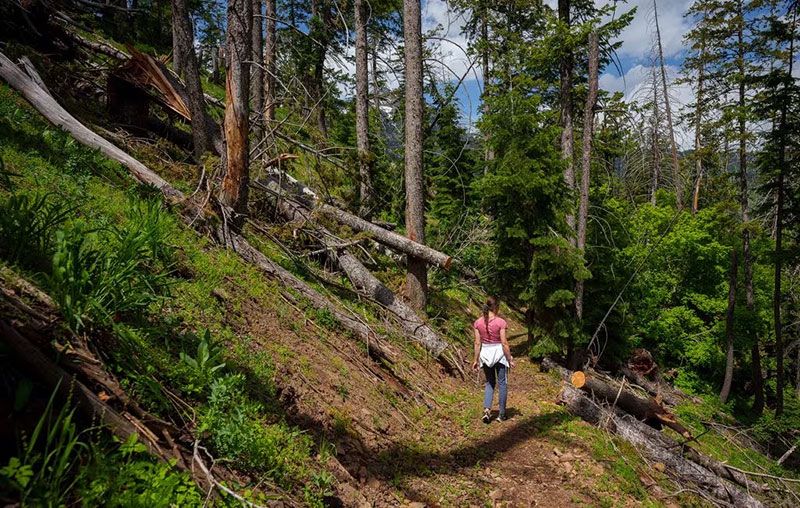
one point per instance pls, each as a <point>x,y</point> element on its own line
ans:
<point>501,418</point>
<point>487,416</point>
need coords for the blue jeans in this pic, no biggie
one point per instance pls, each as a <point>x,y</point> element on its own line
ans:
<point>496,375</point>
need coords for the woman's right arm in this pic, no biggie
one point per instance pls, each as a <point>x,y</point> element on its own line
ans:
<point>477,349</point>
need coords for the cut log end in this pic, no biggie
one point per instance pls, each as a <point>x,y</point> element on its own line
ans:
<point>578,379</point>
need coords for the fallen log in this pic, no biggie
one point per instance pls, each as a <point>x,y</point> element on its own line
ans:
<point>50,109</point>
<point>375,232</point>
<point>646,410</point>
<point>365,282</point>
<point>650,443</point>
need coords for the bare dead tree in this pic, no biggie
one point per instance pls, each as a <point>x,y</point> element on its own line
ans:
<point>586,165</point>
<point>235,182</point>
<point>417,276</point>
<point>676,168</point>
<point>362,111</point>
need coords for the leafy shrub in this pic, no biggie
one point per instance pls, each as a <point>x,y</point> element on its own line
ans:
<point>239,434</point>
<point>128,477</point>
<point>204,366</point>
<point>27,226</point>
<point>44,473</point>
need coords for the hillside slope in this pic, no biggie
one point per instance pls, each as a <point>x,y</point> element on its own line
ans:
<point>299,411</point>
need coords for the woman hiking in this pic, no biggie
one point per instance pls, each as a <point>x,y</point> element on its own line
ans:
<point>494,355</point>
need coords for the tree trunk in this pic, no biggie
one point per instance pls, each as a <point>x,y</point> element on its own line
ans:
<point>235,182</point>
<point>177,50</point>
<point>362,112</point>
<point>417,277</point>
<point>698,119</point>
<point>388,238</point>
<point>779,189</point>
<point>183,48</point>
<point>676,168</point>
<point>755,351</point>
<point>656,143</point>
<point>586,164</point>
<point>729,328</point>
<point>320,10</point>
<point>565,99</point>
<point>257,70</point>
<point>270,67</point>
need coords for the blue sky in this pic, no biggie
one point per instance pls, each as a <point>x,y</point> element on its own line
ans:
<point>635,55</point>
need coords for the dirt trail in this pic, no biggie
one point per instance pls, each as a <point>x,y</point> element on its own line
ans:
<point>532,459</point>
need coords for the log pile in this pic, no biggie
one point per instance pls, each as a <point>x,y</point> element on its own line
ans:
<point>615,407</point>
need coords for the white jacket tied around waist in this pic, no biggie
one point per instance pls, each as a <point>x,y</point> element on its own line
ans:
<point>491,354</point>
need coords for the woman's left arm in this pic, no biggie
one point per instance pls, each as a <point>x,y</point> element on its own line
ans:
<point>506,348</point>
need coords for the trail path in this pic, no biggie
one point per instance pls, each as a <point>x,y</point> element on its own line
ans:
<point>539,457</point>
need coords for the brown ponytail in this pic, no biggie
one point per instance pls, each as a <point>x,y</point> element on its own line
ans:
<point>492,304</point>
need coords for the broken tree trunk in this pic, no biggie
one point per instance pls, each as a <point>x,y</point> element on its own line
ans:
<point>646,410</point>
<point>652,443</point>
<point>366,283</point>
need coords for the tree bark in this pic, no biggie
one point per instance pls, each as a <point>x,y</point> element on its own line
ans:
<point>177,49</point>
<point>676,168</point>
<point>417,277</point>
<point>565,99</point>
<point>183,48</point>
<point>362,112</point>
<point>235,181</point>
<point>729,328</point>
<point>586,165</point>
<point>257,70</point>
<point>270,68</point>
